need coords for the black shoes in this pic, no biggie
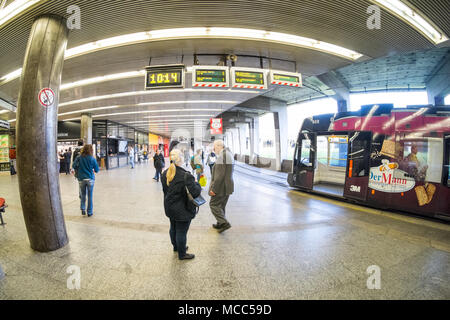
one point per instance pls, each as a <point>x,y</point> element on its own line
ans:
<point>187,256</point>
<point>83,212</point>
<point>224,227</point>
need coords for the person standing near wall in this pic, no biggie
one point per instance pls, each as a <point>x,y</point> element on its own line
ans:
<point>131,156</point>
<point>222,185</point>
<point>159,163</point>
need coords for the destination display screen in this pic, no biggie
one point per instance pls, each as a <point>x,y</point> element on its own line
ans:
<point>290,79</point>
<point>168,77</point>
<point>246,77</point>
<point>286,78</point>
<point>214,76</point>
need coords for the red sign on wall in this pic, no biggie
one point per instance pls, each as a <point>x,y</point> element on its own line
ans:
<point>216,126</point>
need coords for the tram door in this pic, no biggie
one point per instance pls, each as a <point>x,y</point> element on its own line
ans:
<point>445,193</point>
<point>304,161</point>
<point>358,168</point>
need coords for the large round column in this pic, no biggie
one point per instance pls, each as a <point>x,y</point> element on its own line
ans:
<point>86,128</point>
<point>37,127</point>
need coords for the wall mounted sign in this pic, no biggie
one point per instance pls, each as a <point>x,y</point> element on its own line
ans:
<point>249,78</point>
<point>216,126</point>
<point>283,78</point>
<point>170,76</point>
<point>46,97</point>
<point>210,77</point>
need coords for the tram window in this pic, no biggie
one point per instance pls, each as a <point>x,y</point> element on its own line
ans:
<point>447,163</point>
<point>338,151</point>
<point>422,159</point>
<point>322,149</point>
<point>305,152</point>
<point>358,155</point>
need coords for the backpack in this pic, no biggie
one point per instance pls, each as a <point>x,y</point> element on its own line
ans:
<point>76,154</point>
<point>193,163</point>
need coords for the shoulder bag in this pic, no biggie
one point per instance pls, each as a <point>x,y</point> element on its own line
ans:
<point>197,202</point>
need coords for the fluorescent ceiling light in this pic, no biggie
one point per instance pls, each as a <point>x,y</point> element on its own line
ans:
<point>133,112</point>
<point>413,18</point>
<point>135,93</point>
<point>140,112</point>
<point>11,76</point>
<point>189,101</point>
<point>156,111</point>
<point>116,76</point>
<point>213,33</point>
<point>203,33</point>
<point>14,9</point>
<point>86,110</point>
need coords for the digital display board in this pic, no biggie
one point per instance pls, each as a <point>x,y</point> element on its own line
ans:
<point>171,76</point>
<point>212,77</point>
<point>286,78</point>
<point>249,78</point>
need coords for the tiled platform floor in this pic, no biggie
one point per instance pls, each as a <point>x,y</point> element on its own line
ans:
<point>283,245</point>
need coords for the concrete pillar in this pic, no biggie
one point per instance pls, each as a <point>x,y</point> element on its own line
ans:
<point>198,135</point>
<point>339,86</point>
<point>281,134</point>
<point>244,134</point>
<point>37,127</point>
<point>86,128</point>
<point>342,105</point>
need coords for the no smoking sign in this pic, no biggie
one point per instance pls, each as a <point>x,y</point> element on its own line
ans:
<point>46,97</point>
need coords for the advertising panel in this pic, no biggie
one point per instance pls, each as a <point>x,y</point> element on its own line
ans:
<point>216,126</point>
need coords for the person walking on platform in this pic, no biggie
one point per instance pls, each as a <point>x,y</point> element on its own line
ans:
<point>175,182</point>
<point>222,185</point>
<point>76,153</point>
<point>211,160</point>
<point>67,158</point>
<point>85,165</point>
<point>198,163</point>
<point>159,163</point>
<point>131,156</point>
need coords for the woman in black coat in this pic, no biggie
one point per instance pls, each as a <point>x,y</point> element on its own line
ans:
<point>158,161</point>
<point>177,206</point>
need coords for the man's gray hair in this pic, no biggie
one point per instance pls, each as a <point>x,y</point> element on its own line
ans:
<point>219,143</point>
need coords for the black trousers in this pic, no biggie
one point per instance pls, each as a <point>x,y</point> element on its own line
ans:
<point>178,235</point>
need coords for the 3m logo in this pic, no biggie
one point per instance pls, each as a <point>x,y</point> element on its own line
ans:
<point>355,188</point>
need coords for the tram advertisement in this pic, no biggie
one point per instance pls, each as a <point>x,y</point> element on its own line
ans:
<point>403,167</point>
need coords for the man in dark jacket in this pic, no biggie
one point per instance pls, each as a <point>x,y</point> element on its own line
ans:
<point>222,185</point>
<point>177,206</point>
<point>159,163</point>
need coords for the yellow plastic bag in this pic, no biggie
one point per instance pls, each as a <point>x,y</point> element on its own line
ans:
<point>203,181</point>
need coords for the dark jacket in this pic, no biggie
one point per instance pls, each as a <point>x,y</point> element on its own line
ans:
<point>158,161</point>
<point>176,202</point>
<point>222,183</point>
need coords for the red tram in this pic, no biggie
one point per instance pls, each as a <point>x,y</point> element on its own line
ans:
<point>380,156</point>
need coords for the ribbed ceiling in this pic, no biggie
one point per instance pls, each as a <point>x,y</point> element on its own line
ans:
<point>339,22</point>
<point>438,11</point>
<point>405,71</point>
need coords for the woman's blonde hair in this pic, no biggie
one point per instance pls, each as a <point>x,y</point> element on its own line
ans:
<point>176,159</point>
